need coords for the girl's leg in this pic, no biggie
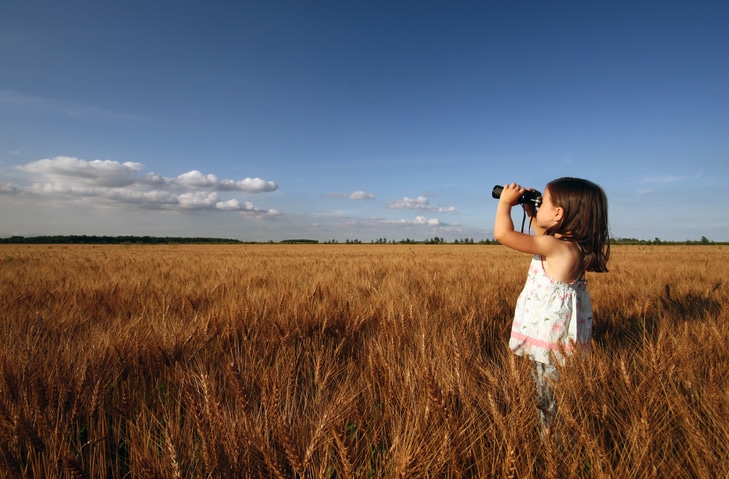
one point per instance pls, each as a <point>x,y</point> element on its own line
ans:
<point>545,377</point>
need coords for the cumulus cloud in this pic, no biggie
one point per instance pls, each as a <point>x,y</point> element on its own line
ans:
<point>198,200</point>
<point>420,203</point>
<point>250,185</point>
<point>422,220</point>
<point>418,220</point>
<point>113,182</point>
<point>361,195</point>
<point>195,179</point>
<point>446,209</point>
<point>73,171</point>
<point>247,206</point>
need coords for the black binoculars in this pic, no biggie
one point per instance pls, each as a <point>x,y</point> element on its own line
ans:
<point>533,197</point>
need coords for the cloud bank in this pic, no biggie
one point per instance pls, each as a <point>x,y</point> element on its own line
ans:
<point>108,183</point>
<point>421,220</point>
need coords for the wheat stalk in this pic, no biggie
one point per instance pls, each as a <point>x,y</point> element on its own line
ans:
<point>173,463</point>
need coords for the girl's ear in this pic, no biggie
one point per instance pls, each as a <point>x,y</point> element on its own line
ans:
<point>558,214</point>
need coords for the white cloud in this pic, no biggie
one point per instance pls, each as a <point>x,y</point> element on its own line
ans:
<point>56,188</point>
<point>361,195</point>
<point>446,209</point>
<point>248,207</point>
<point>198,199</point>
<point>112,182</point>
<point>64,169</point>
<point>250,185</point>
<point>420,220</point>
<point>195,179</point>
<point>230,205</point>
<point>150,199</point>
<point>421,202</point>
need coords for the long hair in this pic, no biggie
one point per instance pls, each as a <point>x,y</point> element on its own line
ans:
<point>585,219</point>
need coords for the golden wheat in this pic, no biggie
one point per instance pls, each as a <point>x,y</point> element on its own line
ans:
<point>350,361</point>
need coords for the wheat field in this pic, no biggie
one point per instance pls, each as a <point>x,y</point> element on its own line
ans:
<point>350,361</point>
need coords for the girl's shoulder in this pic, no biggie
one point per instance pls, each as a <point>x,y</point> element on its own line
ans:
<point>564,261</point>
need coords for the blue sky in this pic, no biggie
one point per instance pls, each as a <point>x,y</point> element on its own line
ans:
<point>358,120</point>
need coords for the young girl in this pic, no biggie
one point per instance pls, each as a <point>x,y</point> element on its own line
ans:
<point>553,314</point>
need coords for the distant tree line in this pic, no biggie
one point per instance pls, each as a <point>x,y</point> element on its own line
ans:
<point>300,241</point>
<point>86,239</point>
<point>657,241</point>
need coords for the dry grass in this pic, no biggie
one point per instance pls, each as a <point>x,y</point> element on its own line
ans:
<point>350,361</point>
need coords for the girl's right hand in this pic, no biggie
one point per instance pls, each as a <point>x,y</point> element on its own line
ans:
<point>511,194</point>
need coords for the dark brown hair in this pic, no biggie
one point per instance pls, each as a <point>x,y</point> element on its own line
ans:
<point>585,219</point>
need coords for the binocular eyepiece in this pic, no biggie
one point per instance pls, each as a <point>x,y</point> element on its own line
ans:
<point>532,197</point>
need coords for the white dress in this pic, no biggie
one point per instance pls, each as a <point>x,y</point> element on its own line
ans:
<point>551,317</point>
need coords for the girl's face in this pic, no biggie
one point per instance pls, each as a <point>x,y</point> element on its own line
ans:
<point>548,213</point>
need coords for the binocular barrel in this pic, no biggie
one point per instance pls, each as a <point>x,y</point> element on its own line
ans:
<point>533,197</point>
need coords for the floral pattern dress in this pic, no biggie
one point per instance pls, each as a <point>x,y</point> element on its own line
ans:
<point>552,318</point>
